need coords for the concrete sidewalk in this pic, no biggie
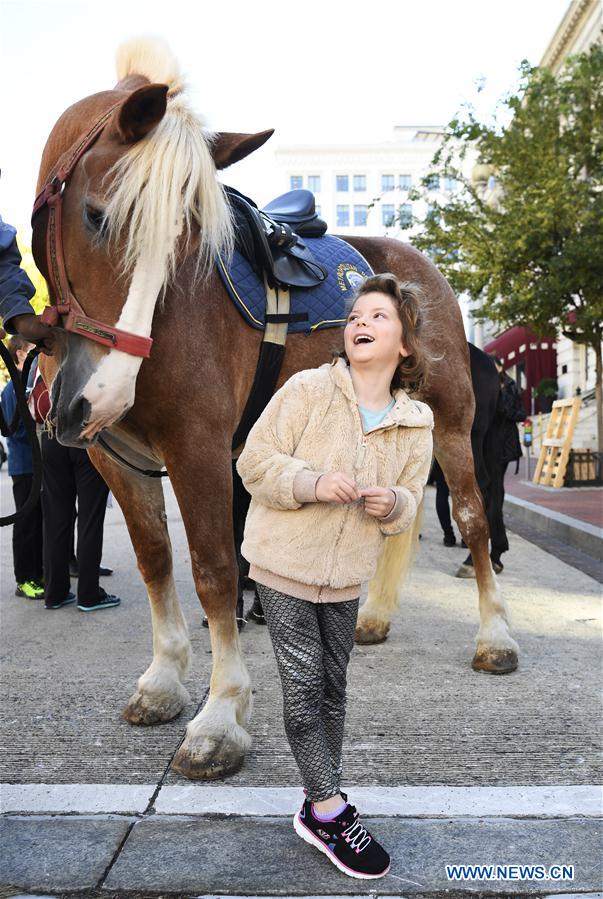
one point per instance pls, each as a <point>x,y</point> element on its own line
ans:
<point>451,766</point>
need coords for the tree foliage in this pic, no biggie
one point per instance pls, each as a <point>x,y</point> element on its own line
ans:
<point>528,243</point>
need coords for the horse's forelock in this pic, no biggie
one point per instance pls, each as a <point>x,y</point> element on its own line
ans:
<point>152,58</point>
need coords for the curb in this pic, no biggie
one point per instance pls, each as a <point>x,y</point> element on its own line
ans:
<point>579,534</point>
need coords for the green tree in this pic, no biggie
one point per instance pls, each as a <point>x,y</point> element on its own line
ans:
<point>524,238</point>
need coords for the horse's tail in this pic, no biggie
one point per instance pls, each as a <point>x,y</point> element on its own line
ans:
<point>385,588</point>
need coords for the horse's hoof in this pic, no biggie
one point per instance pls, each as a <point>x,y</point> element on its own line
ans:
<point>145,708</point>
<point>370,632</point>
<point>466,571</point>
<point>217,757</point>
<point>495,661</point>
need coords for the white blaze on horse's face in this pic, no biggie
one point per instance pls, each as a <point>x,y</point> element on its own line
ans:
<point>110,389</point>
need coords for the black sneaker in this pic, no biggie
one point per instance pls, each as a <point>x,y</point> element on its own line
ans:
<point>344,841</point>
<point>104,601</point>
<point>59,605</point>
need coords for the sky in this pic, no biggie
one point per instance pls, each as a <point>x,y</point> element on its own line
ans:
<point>318,71</point>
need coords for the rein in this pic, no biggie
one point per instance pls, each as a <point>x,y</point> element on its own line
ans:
<point>65,305</point>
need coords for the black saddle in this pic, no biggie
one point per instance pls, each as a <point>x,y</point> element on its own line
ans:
<point>273,248</point>
<point>297,208</point>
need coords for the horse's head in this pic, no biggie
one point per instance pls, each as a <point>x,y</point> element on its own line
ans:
<point>144,196</point>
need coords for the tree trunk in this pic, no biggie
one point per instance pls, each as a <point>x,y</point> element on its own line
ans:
<point>599,394</point>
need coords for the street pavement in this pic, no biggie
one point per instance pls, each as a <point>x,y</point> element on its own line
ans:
<point>449,766</point>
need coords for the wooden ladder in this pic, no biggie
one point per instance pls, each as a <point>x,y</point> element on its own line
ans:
<point>556,445</point>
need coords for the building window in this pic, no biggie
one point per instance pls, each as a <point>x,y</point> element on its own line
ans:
<point>360,215</point>
<point>388,214</point>
<point>359,182</point>
<point>342,183</point>
<point>450,184</point>
<point>387,183</point>
<point>314,183</point>
<point>432,183</point>
<point>405,214</point>
<point>343,216</point>
<point>404,182</point>
<point>296,182</point>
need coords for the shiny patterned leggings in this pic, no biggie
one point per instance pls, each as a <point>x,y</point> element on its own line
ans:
<point>312,644</point>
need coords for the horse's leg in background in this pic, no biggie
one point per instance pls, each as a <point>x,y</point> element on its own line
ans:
<point>216,739</point>
<point>160,694</point>
<point>496,650</point>
<point>384,589</point>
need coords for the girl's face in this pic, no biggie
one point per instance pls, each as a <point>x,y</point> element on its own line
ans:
<point>373,333</point>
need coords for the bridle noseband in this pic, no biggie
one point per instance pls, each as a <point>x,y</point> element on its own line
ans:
<point>64,303</point>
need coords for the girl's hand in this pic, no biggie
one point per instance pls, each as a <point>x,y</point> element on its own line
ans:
<point>336,487</point>
<point>378,501</point>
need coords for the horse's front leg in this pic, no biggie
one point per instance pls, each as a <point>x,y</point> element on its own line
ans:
<point>496,650</point>
<point>216,739</point>
<point>160,693</point>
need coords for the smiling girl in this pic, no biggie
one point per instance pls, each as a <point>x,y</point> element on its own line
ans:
<point>336,463</point>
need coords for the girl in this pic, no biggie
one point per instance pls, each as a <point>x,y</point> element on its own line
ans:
<point>336,463</point>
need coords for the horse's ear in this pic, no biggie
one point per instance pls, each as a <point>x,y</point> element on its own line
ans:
<point>143,109</point>
<point>229,147</point>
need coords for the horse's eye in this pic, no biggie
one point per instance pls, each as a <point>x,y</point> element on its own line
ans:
<point>94,218</point>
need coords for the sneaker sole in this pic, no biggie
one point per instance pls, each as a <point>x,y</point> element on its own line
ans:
<point>106,605</point>
<point>306,834</point>
<point>60,605</point>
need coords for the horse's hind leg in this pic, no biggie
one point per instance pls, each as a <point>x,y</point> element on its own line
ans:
<point>496,650</point>
<point>160,694</point>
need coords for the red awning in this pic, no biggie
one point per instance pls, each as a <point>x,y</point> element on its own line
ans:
<point>517,342</point>
<point>535,357</point>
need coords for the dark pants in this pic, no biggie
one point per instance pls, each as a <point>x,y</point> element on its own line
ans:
<point>27,534</point>
<point>498,532</point>
<point>442,494</point>
<point>69,474</point>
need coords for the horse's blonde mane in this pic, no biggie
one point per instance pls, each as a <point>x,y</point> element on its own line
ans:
<point>166,184</point>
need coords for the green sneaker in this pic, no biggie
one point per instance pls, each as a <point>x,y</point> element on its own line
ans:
<point>30,589</point>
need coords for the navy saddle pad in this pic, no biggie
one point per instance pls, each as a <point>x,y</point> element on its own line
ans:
<point>324,304</point>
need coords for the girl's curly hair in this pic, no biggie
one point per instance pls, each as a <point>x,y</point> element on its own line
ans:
<point>412,371</point>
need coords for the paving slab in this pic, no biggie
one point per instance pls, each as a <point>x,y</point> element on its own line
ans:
<point>265,856</point>
<point>62,853</point>
<point>417,713</point>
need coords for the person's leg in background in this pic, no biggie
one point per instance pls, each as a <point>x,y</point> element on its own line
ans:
<point>442,505</point>
<point>27,542</point>
<point>92,493</point>
<point>58,501</point>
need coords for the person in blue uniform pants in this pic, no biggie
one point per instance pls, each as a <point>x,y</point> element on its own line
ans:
<point>27,529</point>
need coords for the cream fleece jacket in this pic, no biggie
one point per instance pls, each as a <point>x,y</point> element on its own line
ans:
<point>312,426</point>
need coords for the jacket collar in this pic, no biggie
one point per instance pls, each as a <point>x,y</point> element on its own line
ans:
<point>406,411</point>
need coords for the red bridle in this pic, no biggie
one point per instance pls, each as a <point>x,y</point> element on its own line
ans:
<point>64,302</point>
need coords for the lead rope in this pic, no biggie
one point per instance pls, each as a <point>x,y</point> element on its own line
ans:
<point>22,412</point>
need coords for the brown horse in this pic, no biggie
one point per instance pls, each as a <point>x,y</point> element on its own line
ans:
<point>143,218</point>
